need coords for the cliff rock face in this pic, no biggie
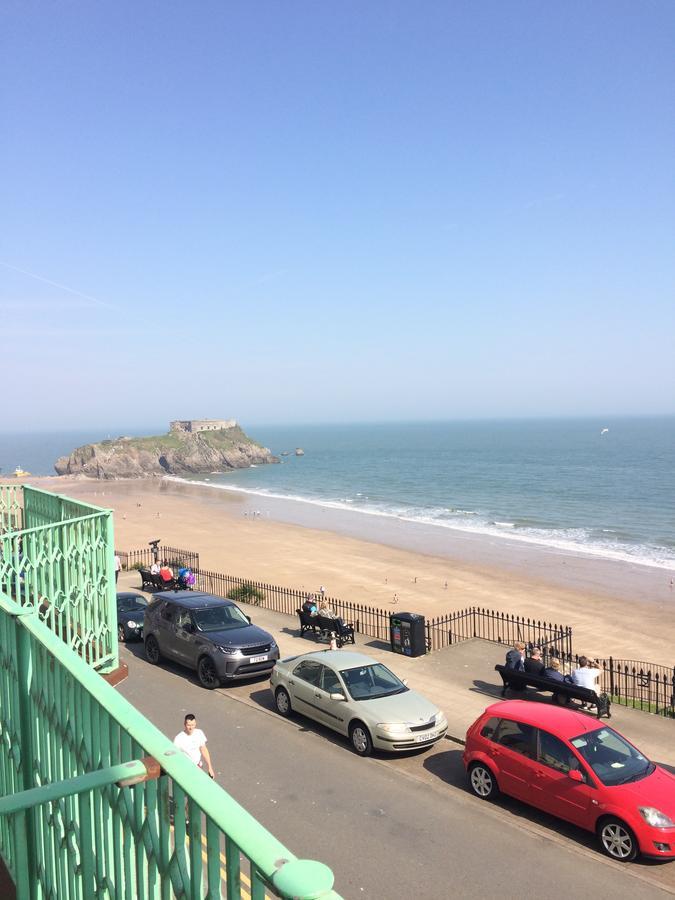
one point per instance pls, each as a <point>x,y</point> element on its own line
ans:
<point>170,454</point>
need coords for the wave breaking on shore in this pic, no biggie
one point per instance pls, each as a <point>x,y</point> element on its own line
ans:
<point>601,543</point>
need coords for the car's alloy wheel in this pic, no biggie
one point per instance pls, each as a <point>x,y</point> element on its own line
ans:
<point>207,673</point>
<point>617,840</point>
<point>120,633</point>
<point>283,702</point>
<point>152,653</point>
<point>483,782</point>
<point>360,738</point>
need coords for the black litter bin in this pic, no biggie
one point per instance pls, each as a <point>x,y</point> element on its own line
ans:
<point>407,634</point>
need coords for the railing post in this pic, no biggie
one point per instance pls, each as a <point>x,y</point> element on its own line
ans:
<point>26,885</point>
<point>611,676</point>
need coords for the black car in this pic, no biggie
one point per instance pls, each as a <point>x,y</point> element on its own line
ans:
<point>130,610</point>
<point>208,634</point>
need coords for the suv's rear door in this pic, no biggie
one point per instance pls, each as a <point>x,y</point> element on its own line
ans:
<point>166,629</point>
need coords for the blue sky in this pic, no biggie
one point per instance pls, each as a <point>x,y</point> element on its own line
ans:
<point>336,212</point>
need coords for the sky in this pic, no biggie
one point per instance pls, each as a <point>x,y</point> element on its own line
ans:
<point>321,212</point>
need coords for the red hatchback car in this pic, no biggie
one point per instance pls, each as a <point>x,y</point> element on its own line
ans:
<point>571,766</point>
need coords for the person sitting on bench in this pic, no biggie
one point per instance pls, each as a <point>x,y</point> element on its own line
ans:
<point>309,606</point>
<point>166,573</point>
<point>515,659</point>
<point>587,675</point>
<point>533,664</point>
<point>553,672</point>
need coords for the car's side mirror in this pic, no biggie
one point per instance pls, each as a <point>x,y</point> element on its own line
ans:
<point>249,619</point>
<point>576,775</point>
<point>337,696</point>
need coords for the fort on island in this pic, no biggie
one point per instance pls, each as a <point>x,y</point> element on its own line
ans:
<point>193,426</point>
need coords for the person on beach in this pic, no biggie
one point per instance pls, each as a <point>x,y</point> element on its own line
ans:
<point>515,659</point>
<point>533,664</point>
<point>192,741</point>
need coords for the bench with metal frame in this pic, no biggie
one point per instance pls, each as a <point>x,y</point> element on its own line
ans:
<point>563,691</point>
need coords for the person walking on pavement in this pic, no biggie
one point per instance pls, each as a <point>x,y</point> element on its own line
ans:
<point>192,741</point>
<point>118,567</point>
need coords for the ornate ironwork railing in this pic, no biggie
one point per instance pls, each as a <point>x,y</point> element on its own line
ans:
<point>56,557</point>
<point>96,802</point>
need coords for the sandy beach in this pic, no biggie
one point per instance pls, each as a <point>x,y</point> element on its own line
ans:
<point>613,607</point>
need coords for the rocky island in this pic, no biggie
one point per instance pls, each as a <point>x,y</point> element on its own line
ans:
<point>192,447</point>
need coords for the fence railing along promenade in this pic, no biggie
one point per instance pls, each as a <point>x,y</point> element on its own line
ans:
<point>133,559</point>
<point>640,685</point>
<point>442,631</point>
<point>630,682</point>
<point>56,557</point>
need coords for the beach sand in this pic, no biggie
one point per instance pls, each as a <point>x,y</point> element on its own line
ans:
<point>614,608</point>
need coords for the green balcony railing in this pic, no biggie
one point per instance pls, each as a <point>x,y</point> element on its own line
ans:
<point>56,556</point>
<point>94,801</point>
<point>82,813</point>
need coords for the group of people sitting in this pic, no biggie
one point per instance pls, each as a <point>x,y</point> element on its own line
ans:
<point>586,674</point>
<point>185,578</point>
<point>322,608</point>
<point>314,607</point>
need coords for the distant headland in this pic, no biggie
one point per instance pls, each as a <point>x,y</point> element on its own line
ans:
<point>192,446</point>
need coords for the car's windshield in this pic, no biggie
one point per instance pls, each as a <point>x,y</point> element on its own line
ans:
<point>125,604</point>
<point>219,618</point>
<point>611,757</point>
<point>371,682</point>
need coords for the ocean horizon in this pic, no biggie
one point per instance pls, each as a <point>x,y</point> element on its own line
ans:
<point>603,487</point>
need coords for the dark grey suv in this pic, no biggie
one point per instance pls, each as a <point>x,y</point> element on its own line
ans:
<point>207,634</point>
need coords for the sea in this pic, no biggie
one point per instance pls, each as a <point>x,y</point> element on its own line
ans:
<point>603,487</point>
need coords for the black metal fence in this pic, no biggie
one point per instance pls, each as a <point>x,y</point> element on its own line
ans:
<point>366,619</point>
<point>633,683</point>
<point>134,559</point>
<point>499,627</point>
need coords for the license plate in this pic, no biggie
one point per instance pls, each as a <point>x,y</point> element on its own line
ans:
<point>429,736</point>
<point>255,659</point>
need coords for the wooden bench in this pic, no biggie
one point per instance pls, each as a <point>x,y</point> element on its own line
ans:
<point>563,691</point>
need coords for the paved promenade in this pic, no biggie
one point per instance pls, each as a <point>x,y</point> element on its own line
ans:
<point>461,680</point>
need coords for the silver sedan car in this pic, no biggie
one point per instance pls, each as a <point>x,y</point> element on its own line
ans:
<point>358,697</point>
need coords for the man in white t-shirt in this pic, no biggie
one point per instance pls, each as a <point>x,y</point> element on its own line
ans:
<point>192,741</point>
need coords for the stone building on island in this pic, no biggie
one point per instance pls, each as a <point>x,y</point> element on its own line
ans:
<point>192,426</point>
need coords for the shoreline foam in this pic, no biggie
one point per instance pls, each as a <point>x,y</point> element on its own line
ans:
<point>500,530</point>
